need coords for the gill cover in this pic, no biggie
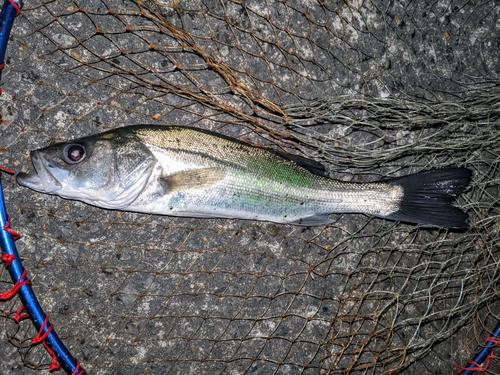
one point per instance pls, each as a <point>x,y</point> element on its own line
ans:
<point>109,170</point>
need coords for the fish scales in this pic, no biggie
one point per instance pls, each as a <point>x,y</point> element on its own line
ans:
<point>184,171</point>
<point>258,184</point>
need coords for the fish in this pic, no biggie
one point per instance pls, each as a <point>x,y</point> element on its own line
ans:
<point>191,172</point>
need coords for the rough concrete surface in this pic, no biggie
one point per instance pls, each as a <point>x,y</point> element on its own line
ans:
<point>370,89</point>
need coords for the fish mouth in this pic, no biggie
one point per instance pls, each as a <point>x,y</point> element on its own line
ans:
<point>42,181</point>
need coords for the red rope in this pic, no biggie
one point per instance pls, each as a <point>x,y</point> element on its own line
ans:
<point>78,370</point>
<point>39,336</point>
<point>7,259</point>
<point>12,232</point>
<point>4,296</point>
<point>16,6</point>
<point>54,365</point>
<point>18,316</point>
<point>476,366</point>
<point>3,168</point>
<point>495,340</point>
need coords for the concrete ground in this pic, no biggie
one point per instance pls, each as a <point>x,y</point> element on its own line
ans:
<point>369,89</point>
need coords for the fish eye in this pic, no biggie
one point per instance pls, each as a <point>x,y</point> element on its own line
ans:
<point>73,153</point>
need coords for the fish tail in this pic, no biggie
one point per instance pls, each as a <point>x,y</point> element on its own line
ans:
<point>428,196</point>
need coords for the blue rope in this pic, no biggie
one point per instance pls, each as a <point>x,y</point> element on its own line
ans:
<point>10,10</point>
<point>481,356</point>
<point>29,300</point>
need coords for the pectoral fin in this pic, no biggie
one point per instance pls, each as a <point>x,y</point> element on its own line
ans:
<point>192,179</point>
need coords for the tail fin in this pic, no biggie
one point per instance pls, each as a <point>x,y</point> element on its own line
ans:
<point>428,195</point>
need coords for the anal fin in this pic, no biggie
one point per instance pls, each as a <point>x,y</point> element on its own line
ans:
<point>314,220</point>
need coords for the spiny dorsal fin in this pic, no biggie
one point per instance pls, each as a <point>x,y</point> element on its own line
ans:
<point>192,179</point>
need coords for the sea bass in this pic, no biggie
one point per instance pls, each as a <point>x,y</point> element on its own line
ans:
<point>183,171</point>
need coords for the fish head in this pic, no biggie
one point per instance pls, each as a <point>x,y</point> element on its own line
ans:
<point>108,170</point>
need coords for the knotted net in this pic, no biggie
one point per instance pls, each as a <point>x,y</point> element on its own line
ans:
<point>369,89</point>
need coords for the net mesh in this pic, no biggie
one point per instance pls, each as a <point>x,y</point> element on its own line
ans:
<point>370,89</point>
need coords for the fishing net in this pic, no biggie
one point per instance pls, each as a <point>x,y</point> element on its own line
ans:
<point>370,89</point>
